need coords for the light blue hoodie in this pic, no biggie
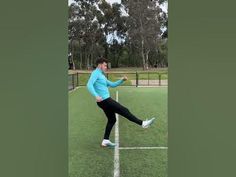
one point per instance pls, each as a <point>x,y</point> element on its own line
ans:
<point>98,84</point>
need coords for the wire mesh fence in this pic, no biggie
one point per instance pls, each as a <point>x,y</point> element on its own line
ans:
<point>134,78</point>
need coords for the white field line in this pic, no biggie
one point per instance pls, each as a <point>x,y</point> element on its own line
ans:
<point>73,89</point>
<point>117,147</point>
<point>116,152</point>
<point>127,148</point>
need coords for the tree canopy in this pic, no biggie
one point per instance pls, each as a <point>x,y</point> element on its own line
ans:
<point>132,33</point>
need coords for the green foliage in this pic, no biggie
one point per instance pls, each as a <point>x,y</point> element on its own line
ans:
<point>134,38</point>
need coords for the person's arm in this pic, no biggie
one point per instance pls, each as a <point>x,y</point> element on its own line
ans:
<point>90,84</point>
<point>117,83</point>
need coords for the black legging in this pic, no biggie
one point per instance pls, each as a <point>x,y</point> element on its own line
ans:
<point>110,107</point>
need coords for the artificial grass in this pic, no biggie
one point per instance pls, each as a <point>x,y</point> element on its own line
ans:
<point>86,127</point>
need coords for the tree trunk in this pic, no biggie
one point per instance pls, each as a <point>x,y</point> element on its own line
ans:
<point>87,60</point>
<point>81,60</point>
<point>142,54</point>
<point>72,55</point>
<point>146,59</point>
<point>142,42</point>
<point>80,55</point>
<point>92,55</point>
<point>80,63</point>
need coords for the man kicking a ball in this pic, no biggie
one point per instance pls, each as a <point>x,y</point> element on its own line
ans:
<point>98,86</point>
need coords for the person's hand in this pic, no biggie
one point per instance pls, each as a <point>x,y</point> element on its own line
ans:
<point>124,78</point>
<point>98,99</point>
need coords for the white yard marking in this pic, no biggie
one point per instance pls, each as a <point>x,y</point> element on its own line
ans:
<point>118,148</point>
<point>124,148</point>
<point>116,153</point>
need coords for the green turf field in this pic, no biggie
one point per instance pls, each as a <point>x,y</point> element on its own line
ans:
<point>86,128</point>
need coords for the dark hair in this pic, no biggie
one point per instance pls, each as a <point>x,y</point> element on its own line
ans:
<point>101,60</point>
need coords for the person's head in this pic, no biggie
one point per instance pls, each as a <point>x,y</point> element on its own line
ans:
<point>102,63</point>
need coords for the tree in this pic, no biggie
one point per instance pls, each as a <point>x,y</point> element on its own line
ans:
<point>85,30</point>
<point>97,28</point>
<point>143,26</point>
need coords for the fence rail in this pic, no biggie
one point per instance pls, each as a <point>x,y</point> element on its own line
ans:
<point>134,78</point>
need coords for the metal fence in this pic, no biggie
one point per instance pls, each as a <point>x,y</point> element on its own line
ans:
<point>134,78</point>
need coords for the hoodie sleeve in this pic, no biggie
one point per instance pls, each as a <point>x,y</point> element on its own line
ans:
<point>114,84</point>
<point>90,84</point>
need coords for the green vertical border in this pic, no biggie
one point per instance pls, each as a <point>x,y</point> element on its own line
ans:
<point>202,119</point>
<point>34,101</point>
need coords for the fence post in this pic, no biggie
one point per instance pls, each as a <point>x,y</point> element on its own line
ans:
<point>136,79</point>
<point>159,79</point>
<point>148,78</point>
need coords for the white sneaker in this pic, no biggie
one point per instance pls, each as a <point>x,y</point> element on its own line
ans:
<point>147,123</point>
<point>107,143</point>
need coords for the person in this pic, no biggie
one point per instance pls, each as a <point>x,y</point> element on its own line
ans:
<point>98,86</point>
